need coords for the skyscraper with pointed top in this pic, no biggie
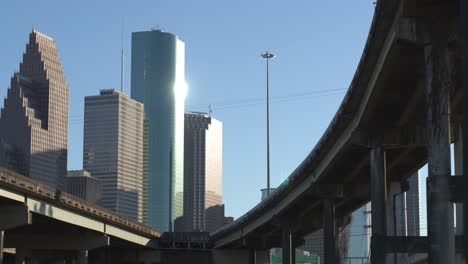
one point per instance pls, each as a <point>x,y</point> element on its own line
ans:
<point>34,117</point>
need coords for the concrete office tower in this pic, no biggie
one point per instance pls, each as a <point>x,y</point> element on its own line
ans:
<point>81,184</point>
<point>203,173</point>
<point>113,150</point>
<point>34,117</point>
<point>158,81</point>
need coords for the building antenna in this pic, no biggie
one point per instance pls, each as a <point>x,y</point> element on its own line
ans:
<point>210,110</point>
<point>122,60</point>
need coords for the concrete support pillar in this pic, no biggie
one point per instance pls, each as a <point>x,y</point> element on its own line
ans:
<point>401,257</point>
<point>463,25</point>
<point>438,83</point>
<point>378,201</point>
<point>393,189</point>
<point>2,236</point>
<point>458,162</point>
<point>107,256</point>
<point>289,249</point>
<point>252,259</point>
<point>330,236</point>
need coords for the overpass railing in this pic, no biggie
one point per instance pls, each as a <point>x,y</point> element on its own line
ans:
<point>30,187</point>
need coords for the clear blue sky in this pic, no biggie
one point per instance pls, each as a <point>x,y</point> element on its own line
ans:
<point>318,46</point>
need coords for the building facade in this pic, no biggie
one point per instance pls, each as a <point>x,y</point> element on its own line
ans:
<point>408,213</point>
<point>313,243</point>
<point>81,184</point>
<point>203,173</point>
<point>34,117</point>
<point>113,150</point>
<point>359,237</point>
<point>408,209</point>
<point>158,81</point>
<point>407,223</point>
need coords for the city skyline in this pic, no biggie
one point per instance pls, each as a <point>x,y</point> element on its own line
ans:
<point>233,82</point>
<point>365,118</point>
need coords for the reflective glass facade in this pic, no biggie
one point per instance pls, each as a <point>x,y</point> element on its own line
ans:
<point>158,81</point>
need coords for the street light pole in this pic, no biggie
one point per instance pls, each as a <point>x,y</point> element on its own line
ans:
<point>268,56</point>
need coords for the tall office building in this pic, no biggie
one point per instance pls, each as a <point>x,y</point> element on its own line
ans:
<point>408,214</point>
<point>408,209</point>
<point>203,172</point>
<point>34,118</point>
<point>113,150</point>
<point>158,81</point>
<point>359,237</point>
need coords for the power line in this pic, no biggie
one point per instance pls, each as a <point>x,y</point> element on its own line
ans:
<point>78,119</point>
<point>273,98</point>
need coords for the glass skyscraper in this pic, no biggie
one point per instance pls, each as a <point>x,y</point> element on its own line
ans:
<point>158,81</point>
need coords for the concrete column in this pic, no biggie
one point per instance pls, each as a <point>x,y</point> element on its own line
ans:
<point>458,162</point>
<point>438,84</point>
<point>289,249</point>
<point>378,200</point>
<point>107,256</point>
<point>464,76</point>
<point>394,188</point>
<point>2,236</point>
<point>402,223</point>
<point>252,256</point>
<point>330,238</point>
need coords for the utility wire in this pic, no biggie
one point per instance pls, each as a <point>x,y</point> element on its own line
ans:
<point>263,99</point>
<point>78,119</point>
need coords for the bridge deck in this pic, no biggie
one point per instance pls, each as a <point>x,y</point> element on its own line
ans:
<point>385,101</point>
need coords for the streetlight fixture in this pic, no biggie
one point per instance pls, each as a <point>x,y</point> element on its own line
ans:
<point>268,56</point>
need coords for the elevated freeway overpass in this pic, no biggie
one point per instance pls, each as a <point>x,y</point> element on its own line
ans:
<point>36,219</point>
<point>405,105</point>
